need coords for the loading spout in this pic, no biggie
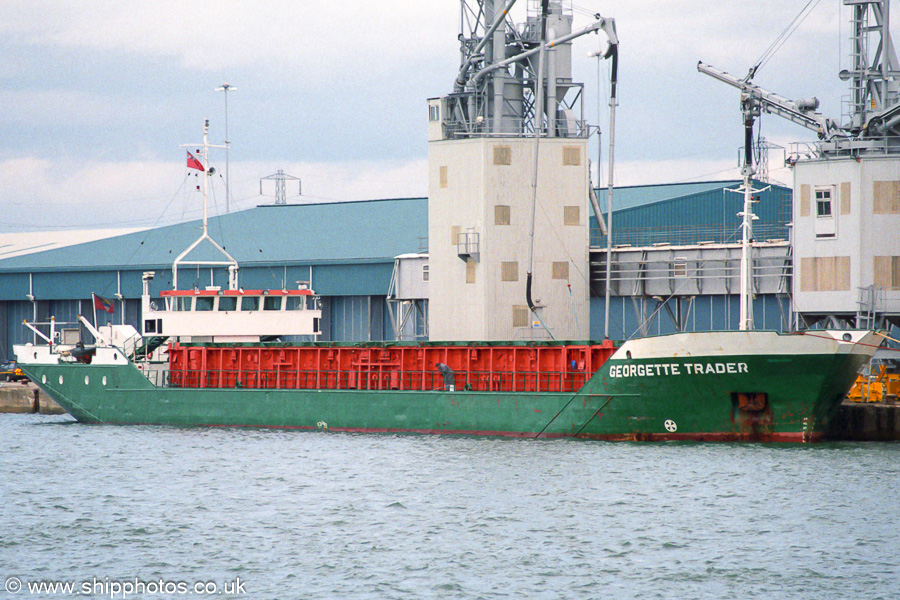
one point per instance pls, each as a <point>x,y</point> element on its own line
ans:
<point>528,298</point>
<point>797,112</point>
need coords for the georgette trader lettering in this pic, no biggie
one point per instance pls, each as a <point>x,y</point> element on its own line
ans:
<point>664,369</point>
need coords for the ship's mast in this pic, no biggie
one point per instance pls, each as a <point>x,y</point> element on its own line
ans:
<point>231,263</point>
<point>750,109</point>
<point>747,216</point>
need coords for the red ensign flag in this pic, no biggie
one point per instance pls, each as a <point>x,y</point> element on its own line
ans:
<point>193,163</point>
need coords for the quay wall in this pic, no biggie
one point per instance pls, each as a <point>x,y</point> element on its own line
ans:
<point>26,399</point>
<point>866,422</point>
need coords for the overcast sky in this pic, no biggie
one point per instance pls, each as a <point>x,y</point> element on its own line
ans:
<point>97,96</point>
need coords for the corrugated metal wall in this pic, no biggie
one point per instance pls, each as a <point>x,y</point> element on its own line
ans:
<point>704,216</point>
<point>707,313</point>
<point>358,319</point>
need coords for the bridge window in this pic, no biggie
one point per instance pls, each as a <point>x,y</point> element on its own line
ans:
<point>272,303</point>
<point>296,303</point>
<point>227,303</point>
<point>204,303</point>
<point>250,303</point>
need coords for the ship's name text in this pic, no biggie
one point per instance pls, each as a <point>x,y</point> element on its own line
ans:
<point>657,370</point>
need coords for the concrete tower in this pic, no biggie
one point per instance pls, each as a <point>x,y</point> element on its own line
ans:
<point>508,182</point>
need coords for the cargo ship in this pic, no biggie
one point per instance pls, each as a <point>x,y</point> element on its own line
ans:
<point>203,359</point>
<point>722,386</point>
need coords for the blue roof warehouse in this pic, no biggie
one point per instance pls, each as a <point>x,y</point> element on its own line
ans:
<point>346,252</point>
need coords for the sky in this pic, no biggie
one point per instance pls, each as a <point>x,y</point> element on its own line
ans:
<point>96,97</point>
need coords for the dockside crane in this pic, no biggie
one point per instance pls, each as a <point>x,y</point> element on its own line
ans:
<point>755,99</point>
<point>874,89</point>
<point>844,187</point>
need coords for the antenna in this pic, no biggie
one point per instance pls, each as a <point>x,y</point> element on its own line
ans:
<point>226,87</point>
<point>280,178</point>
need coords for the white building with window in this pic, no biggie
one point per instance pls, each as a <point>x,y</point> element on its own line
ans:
<point>846,239</point>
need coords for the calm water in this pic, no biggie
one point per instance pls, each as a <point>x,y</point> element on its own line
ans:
<point>322,515</point>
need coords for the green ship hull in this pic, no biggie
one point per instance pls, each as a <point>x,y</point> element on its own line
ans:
<point>768,387</point>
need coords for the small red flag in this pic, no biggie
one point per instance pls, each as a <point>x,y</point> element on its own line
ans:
<point>101,303</point>
<point>193,163</point>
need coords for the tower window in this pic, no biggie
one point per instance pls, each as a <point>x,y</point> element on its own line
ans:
<point>823,203</point>
<point>826,226</point>
<point>502,155</point>
<point>571,156</point>
<point>520,316</point>
<point>509,271</point>
<point>560,270</point>
<point>501,214</point>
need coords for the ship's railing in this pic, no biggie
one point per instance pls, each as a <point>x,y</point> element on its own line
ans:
<point>476,381</point>
<point>799,151</point>
<point>515,128</point>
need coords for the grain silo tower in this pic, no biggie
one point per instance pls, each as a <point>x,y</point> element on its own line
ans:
<point>509,180</point>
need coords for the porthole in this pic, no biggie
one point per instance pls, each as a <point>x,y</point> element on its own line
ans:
<point>103,381</point>
<point>60,380</point>
<point>87,380</point>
